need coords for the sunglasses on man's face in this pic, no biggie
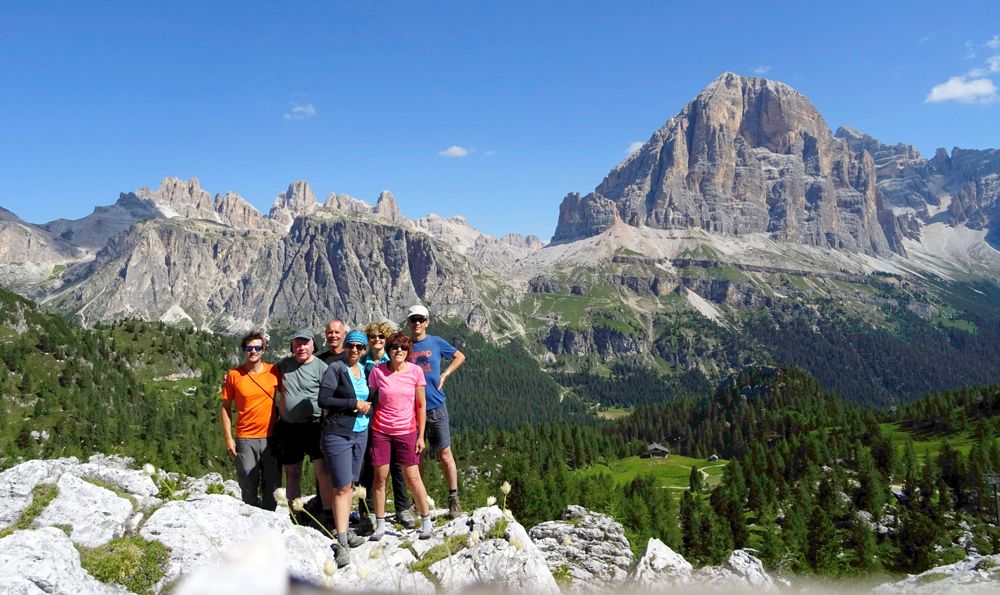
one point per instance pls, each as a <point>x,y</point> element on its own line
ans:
<point>376,337</point>
<point>250,348</point>
<point>398,347</point>
<point>417,319</point>
<point>357,346</point>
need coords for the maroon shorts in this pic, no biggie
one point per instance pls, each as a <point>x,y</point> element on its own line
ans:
<point>401,449</point>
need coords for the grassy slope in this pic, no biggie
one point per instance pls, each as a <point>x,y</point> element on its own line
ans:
<point>672,472</point>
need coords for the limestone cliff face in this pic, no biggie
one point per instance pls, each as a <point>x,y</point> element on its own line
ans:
<point>962,188</point>
<point>213,275</point>
<point>747,155</point>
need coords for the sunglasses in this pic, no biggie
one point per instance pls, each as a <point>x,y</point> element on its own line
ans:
<point>357,346</point>
<point>376,337</point>
<point>250,348</point>
<point>398,347</point>
<point>417,319</point>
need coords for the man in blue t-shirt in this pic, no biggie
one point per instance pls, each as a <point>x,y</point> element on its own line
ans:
<point>427,351</point>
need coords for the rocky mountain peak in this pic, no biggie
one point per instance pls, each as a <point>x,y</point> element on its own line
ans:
<point>746,155</point>
<point>180,198</point>
<point>346,203</point>
<point>387,208</point>
<point>297,201</point>
<point>234,211</point>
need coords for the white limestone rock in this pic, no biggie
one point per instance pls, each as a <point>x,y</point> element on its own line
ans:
<point>17,483</point>
<point>741,571</point>
<point>200,531</point>
<point>45,561</point>
<point>199,486</point>
<point>660,567</point>
<point>591,546</point>
<point>973,575</point>
<point>96,514</point>
<point>513,563</point>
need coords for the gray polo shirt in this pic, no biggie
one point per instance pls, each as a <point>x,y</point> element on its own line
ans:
<point>300,385</point>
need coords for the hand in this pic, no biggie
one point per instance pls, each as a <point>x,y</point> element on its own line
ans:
<point>441,381</point>
<point>364,407</point>
<point>231,446</point>
<point>420,444</point>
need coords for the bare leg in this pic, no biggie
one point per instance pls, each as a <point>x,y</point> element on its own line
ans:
<point>325,482</point>
<point>448,466</point>
<point>342,507</point>
<point>292,475</point>
<point>416,485</point>
<point>381,473</point>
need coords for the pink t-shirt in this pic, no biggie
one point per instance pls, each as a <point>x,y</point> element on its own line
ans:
<point>396,410</point>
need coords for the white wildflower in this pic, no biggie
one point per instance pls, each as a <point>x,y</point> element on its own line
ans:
<point>280,496</point>
<point>363,572</point>
<point>299,504</point>
<point>430,503</point>
<point>360,492</point>
<point>149,469</point>
<point>566,540</point>
<point>491,501</point>
<point>473,538</point>
<point>505,488</point>
<point>329,567</point>
<point>516,543</point>
<point>508,515</point>
<point>376,552</point>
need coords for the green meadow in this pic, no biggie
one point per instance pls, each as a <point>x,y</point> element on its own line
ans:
<point>672,472</point>
<point>927,445</point>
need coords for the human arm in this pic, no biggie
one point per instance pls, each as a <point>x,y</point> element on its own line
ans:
<point>420,409</point>
<point>226,419</point>
<point>457,359</point>
<point>336,393</point>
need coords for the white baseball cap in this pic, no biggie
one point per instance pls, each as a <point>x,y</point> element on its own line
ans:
<point>418,310</point>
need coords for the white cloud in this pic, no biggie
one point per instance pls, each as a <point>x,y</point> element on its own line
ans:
<point>454,151</point>
<point>993,63</point>
<point>634,147</point>
<point>926,38</point>
<point>970,50</point>
<point>964,90</point>
<point>489,152</point>
<point>762,69</point>
<point>994,43</point>
<point>300,112</point>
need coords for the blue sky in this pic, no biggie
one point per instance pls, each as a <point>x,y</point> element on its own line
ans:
<point>534,99</point>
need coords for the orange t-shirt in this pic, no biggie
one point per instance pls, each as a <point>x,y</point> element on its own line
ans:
<point>254,395</point>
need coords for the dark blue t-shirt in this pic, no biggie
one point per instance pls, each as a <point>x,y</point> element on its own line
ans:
<point>427,354</point>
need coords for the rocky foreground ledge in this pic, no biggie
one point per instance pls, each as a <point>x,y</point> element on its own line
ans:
<point>59,518</point>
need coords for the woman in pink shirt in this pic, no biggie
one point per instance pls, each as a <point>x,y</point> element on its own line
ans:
<point>397,428</point>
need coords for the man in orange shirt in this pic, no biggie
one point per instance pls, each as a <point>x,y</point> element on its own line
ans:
<point>253,387</point>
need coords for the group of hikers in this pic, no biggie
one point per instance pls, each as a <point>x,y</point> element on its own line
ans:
<point>364,410</point>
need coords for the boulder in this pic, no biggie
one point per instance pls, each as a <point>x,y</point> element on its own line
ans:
<point>740,572</point>
<point>660,567</point>
<point>974,574</point>
<point>45,561</point>
<point>97,515</point>
<point>589,549</point>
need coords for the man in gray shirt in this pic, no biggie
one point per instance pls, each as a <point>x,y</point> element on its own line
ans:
<point>297,431</point>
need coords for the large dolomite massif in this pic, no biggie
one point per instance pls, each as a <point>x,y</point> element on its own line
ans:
<point>747,155</point>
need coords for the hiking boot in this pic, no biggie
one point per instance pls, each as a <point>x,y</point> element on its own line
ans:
<point>454,508</point>
<point>405,518</point>
<point>353,539</point>
<point>365,526</point>
<point>341,554</point>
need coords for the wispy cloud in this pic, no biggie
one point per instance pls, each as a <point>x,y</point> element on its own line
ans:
<point>454,151</point>
<point>489,152</point>
<point>762,69</point>
<point>993,63</point>
<point>964,90</point>
<point>970,51</point>
<point>299,112</point>
<point>994,43</point>
<point>634,147</point>
<point>926,38</point>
